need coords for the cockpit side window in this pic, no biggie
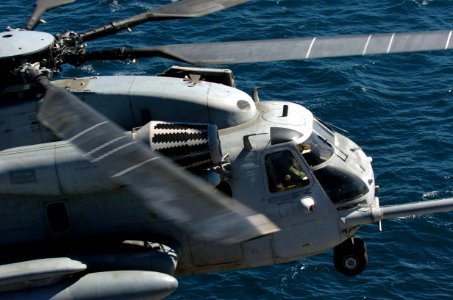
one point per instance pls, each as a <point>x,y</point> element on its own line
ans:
<point>284,172</point>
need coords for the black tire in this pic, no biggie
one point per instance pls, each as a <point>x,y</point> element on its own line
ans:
<point>350,257</point>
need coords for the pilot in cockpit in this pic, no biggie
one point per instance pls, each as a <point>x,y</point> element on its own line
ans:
<point>284,172</point>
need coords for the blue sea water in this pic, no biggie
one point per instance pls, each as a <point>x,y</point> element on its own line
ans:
<point>399,108</point>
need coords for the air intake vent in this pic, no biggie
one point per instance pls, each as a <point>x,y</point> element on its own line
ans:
<point>191,145</point>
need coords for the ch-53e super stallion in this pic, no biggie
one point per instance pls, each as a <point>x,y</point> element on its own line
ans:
<point>111,186</point>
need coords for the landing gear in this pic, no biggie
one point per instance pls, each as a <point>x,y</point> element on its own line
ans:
<point>350,257</point>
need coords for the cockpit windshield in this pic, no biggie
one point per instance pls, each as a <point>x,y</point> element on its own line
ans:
<point>317,148</point>
<point>340,184</point>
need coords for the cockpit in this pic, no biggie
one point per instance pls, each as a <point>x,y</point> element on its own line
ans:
<point>284,172</point>
<point>318,148</point>
<point>332,172</point>
<point>332,166</point>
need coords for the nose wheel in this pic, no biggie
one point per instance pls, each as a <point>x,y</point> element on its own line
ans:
<point>350,257</point>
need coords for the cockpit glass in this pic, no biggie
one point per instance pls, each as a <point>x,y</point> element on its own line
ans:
<point>284,172</point>
<point>324,131</point>
<point>339,184</point>
<point>315,150</point>
<point>318,147</point>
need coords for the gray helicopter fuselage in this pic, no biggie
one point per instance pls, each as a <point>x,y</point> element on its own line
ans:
<point>39,174</point>
<point>111,185</point>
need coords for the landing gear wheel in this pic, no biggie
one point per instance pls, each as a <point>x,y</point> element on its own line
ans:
<point>350,257</point>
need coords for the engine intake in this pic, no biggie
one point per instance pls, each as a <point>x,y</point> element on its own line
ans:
<point>193,146</point>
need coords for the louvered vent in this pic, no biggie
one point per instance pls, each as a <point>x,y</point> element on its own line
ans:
<point>191,145</point>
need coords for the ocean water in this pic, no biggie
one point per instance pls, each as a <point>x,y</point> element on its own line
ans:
<point>399,108</point>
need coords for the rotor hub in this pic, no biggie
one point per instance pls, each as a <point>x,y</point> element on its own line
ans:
<point>23,43</point>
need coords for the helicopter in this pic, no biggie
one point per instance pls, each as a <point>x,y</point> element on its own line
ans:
<point>91,217</point>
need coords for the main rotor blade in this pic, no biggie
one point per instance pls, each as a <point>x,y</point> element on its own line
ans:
<point>285,49</point>
<point>167,190</point>
<point>41,6</point>
<point>176,10</point>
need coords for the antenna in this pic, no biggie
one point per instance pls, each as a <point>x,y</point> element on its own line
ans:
<point>285,111</point>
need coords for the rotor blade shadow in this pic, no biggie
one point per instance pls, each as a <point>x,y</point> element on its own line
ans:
<point>171,192</point>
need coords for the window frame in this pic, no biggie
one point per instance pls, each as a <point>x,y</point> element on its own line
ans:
<point>300,161</point>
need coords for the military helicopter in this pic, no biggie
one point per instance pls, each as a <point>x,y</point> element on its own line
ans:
<point>116,194</point>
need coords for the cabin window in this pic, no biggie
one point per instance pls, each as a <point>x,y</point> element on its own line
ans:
<point>284,172</point>
<point>58,217</point>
